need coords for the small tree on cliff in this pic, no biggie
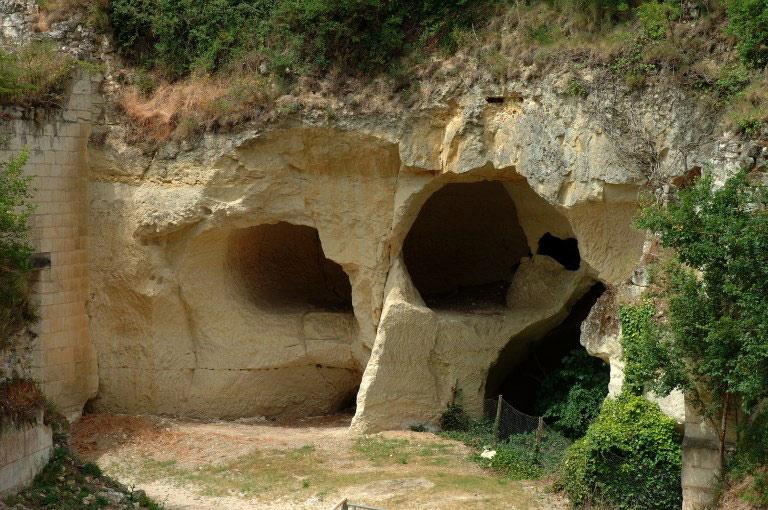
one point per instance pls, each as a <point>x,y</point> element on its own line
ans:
<point>15,250</point>
<point>714,344</point>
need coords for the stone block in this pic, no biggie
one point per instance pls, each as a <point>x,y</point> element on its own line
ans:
<point>698,477</point>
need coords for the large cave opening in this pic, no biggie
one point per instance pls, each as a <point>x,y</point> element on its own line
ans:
<point>282,265</point>
<point>544,373</point>
<point>465,246</point>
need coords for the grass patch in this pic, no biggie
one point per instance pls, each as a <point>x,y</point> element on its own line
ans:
<point>379,451</point>
<point>36,75</point>
<point>518,457</point>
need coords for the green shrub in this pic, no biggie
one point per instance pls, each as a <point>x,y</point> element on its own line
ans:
<point>35,75</point>
<point>655,18</point>
<point>90,469</point>
<point>750,126</point>
<point>455,417</point>
<point>517,457</point>
<point>520,458</point>
<point>15,250</point>
<point>575,88</point>
<point>748,21</point>
<point>731,81</point>
<point>629,459</point>
<point>293,36</point>
<point>570,398</point>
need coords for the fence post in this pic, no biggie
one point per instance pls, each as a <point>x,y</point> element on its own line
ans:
<point>497,421</point>
<point>539,435</point>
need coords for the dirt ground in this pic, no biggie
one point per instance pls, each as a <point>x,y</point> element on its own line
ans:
<point>310,464</point>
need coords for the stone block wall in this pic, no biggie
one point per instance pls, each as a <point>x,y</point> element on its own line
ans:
<point>701,459</point>
<point>63,359</point>
<point>23,453</point>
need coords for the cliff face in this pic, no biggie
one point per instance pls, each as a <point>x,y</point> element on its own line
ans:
<point>274,271</point>
<point>386,256</point>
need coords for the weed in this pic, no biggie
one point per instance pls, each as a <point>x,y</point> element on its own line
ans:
<point>575,88</point>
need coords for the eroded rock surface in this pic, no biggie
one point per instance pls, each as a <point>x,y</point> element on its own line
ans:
<point>193,303</point>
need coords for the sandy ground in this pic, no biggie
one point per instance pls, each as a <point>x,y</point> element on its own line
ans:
<point>309,464</point>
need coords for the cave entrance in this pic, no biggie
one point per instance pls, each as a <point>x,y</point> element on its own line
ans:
<point>464,247</point>
<point>282,265</point>
<point>547,369</point>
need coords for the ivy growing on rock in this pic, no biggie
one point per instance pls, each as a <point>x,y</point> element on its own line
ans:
<point>15,250</point>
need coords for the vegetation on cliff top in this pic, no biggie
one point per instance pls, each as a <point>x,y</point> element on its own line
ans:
<point>214,64</point>
<point>35,75</point>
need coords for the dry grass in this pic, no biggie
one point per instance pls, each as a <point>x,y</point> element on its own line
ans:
<point>53,11</point>
<point>197,103</point>
<point>20,401</point>
<point>749,109</point>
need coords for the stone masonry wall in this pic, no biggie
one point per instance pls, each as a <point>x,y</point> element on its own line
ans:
<point>701,459</point>
<point>23,453</point>
<point>63,360</point>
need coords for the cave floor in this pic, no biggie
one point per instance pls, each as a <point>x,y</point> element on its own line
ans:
<point>311,463</point>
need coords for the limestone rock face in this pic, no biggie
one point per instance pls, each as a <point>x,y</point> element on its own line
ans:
<point>297,269</point>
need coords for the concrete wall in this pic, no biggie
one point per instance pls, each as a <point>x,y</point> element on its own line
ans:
<point>23,453</point>
<point>63,359</point>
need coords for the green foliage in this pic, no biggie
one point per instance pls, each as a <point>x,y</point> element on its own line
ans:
<point>292,36</point>
<point>750,126</point>
<point>15,250</point>
<point>35,75</point>
<point>751,456</point>
<point>455,417</point>
<point>716,339</point>
<point>517,457</point>
<point>757,492</point>
<point>640,345</point>
<point>629,459</point>
<point>748,21</point>
<point>655,18</point>
<point>732,80</point>
<point>520,458</point>
<point>65,483</point>
<point>90,469</point>
<point>575,88</point>
<point>570,398</point>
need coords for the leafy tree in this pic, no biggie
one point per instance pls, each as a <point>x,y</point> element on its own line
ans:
<point>15,250</point>
<point>714,344</point>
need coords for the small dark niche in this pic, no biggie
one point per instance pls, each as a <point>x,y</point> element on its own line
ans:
<point>565,251</point>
